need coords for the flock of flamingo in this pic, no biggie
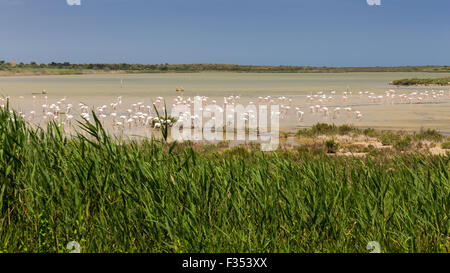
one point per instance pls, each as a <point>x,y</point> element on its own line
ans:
<point>320,106</point>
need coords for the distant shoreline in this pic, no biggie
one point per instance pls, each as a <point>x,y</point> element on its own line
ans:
<point>33,69</point>
<point>64,73</point>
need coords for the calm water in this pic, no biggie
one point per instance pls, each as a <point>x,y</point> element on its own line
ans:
<point>96,90</point>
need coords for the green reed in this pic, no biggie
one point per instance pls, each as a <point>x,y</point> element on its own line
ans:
<point>113,195</point>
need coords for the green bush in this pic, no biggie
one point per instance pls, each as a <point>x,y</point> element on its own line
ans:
<point>429,134</point>
<point>370,132</point>
<point>403,144</point>
<point>389,138</point>
<point>324,129</point>
<point>332,146</point>
<point>416,81</point>
<point>327,129</point>
<point>346,129</point>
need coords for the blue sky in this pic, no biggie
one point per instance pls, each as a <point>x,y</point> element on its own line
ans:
<point>259,32</point>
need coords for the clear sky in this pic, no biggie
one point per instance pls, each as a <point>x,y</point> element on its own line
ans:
<point>259,32</point>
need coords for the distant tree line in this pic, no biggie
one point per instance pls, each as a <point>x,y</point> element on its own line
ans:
<point>137,68</point>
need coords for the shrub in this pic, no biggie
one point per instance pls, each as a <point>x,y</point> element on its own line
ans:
<point>318,129</point>
<point>403,144</point>
<point>370,132</point>
<point>324,129</point>
<point>332,146</point>
<point>389,138</point>
<point>345,129</point>
<point>429,134</point>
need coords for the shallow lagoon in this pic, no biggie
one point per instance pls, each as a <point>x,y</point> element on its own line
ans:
<point>99,89</point>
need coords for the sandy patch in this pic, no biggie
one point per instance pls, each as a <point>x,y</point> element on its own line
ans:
<point>439,151</point>
<point>349,154</point>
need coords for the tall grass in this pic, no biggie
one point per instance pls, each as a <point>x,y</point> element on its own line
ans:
<point>147,196</point>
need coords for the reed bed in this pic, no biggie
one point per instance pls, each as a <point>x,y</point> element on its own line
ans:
<point>115,195</point>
